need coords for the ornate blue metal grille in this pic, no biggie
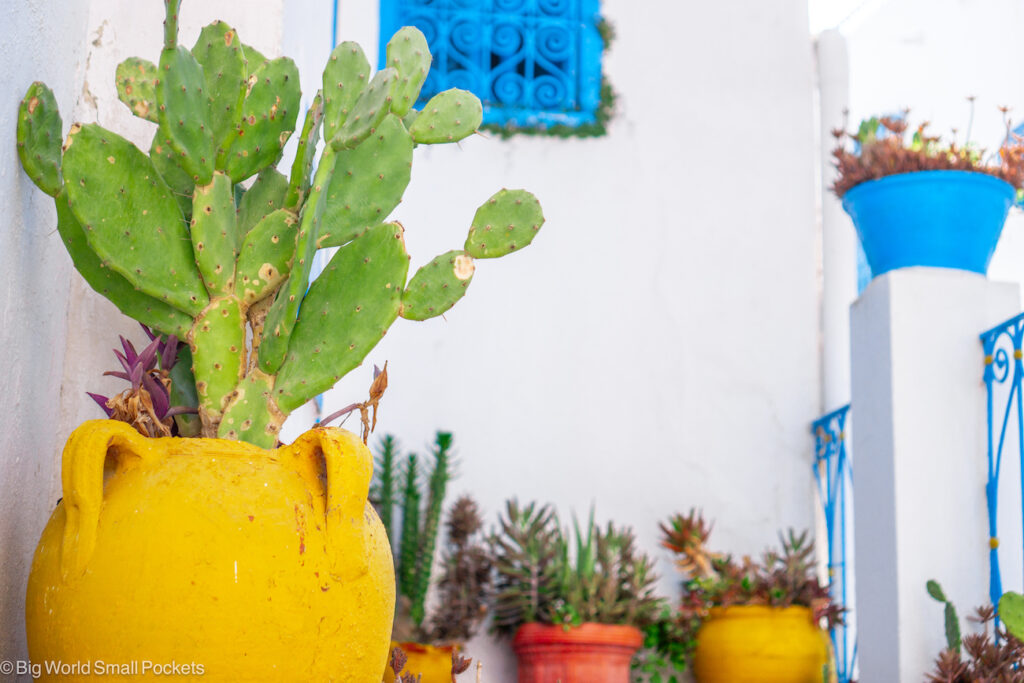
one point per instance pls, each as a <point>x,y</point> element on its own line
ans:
<point>1004,372</point>
<point>833,472</point>
<point>531,62</point>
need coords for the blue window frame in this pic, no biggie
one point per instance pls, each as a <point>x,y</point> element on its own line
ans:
<point>532,63</point>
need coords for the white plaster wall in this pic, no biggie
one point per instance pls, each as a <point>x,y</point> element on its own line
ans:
<point>656,348</point>
<point>39,40</point>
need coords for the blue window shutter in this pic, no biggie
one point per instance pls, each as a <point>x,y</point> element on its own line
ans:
<point>531,62</point>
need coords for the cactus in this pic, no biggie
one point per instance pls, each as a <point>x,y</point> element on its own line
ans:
<point>1011,612</point>
<point>952,621</point>
<point>174,240</point>
<point>421,522</point>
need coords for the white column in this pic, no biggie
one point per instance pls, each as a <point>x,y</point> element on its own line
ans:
<point>839,240</point>
<point>920,467</point>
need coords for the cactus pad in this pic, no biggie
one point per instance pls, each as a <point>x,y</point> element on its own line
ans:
<point>302,167</point>
<point>264,197</point>
<point>39,136</point>
<point>507,221</point>
<point>130,217</point>
<point>1011,611</point>
<point>183,111</point>
<point>284,311</point>
<point>180,183</point>
<point>217,342</point>
<point>347,311</point>
<point>368,111</point>
<point>269,112</point>
<point>367,184</point>
<point>130,301</point>
<point>136,87</point>
<point>214,235</point>
<point>449,116</point>
<point>266,256</point>
<point>345,77</point>
<point>437,286</point>
<point>219,52</point>
<point>409,54</point>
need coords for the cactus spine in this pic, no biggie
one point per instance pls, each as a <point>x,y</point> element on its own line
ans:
<point>174,240</point>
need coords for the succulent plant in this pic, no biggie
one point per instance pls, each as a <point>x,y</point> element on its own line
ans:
<point>464,587</point>
<point>179,239</point>
<point>602,579</point>
<point>783,578</point>
<point>147,403</point>
<point>881,150</point>
<point>526,552</point>
<point>993,654</point>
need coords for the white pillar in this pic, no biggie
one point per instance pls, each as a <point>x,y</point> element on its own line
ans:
<point>920,467</point>
<point>839,240</point>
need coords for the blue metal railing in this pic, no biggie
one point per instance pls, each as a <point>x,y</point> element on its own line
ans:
<point>1004,372</point>
<point>833,473</point>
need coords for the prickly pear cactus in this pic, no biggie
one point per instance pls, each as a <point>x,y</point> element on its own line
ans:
<point>202,237</point>
<point>1011,612</point>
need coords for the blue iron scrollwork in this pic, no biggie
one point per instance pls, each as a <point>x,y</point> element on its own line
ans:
<point>531,62</point>
<point>833,472</point>
<point>1004,370</point>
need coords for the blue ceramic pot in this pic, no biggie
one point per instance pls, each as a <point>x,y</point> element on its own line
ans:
<point>945,219</point>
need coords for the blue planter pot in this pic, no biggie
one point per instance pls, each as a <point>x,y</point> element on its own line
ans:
<point>945,219</point>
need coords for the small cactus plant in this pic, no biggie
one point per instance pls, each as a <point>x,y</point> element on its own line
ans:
<point>952,621</point>
<point>420,526</point>
<point>179,240</point>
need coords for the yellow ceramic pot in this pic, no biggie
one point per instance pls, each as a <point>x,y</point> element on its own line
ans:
<point>215,557</point>
<point>433,664</point>
<point>757,644</point>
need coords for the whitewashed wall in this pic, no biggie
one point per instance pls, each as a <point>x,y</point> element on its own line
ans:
<point>656,348</point>
<point>39,40</point>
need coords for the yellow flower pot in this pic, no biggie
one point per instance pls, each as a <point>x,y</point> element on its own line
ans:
<point>433,664</point>
<point>215,557</point>
<point>757,644</point>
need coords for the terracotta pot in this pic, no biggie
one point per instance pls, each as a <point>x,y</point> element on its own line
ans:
<point>432,663</point>
<point>590,653</point>
<point>758,644</point>
<point>240,563</point>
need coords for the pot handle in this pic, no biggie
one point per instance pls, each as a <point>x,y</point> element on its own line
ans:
<point>82,466</point>
<point>349,467</point>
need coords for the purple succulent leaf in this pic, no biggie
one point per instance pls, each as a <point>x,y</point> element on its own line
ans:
<point>169,355</point>
<point>119,375</point>
<point>129,350</point>
<point>149,332</point>
<point>157,392</point>
<point>376,372</point>
<point>147,359</point>
<point>102,401</point>
<point>182,410</point>
<point>136,374</point>
<point>124,361</point>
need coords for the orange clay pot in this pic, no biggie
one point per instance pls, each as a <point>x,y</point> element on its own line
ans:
<point>432,663</point>
<point>759,644</point>
<point>590,653</point>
